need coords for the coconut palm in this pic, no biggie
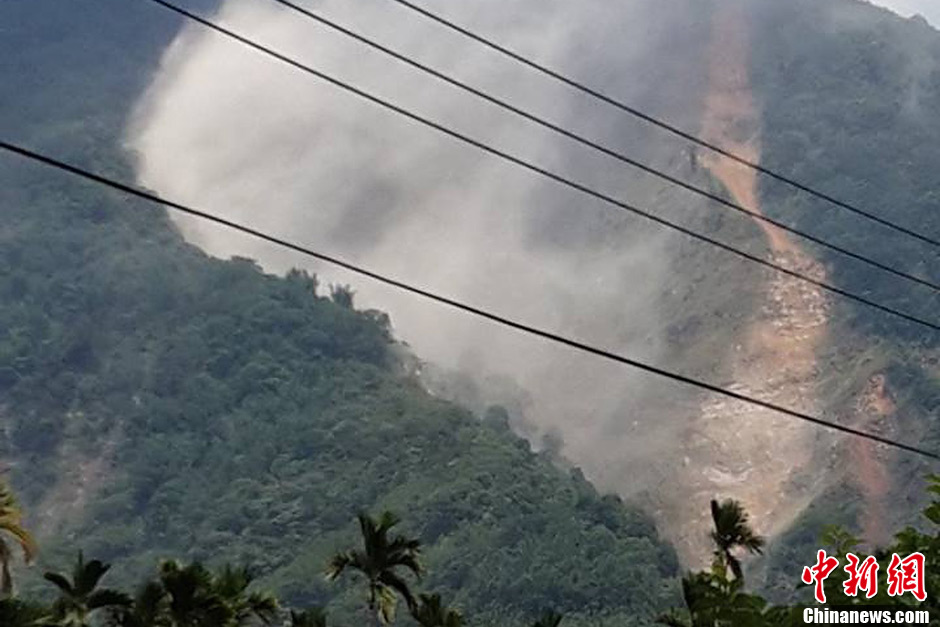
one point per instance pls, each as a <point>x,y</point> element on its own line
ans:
<point>11,525</point>
<point>732,532</point>
<point>380,560</point>
<point>230,585</point>
<point>431,612</point>
<point>81,597</point>
<point>191,598</point>
<point>149,609</point>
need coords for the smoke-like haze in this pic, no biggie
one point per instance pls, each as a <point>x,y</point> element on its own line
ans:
<point>230,130</point>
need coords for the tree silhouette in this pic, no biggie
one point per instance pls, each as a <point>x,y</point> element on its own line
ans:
<point>191,600</point>
<point>231,587</point>
<point>192,596</point>
<point>149,609</point>
<point>731,532</point>
<point>81,597</point>
<point>380,561</point>
<point>431,612</point>
<point>11,525</point>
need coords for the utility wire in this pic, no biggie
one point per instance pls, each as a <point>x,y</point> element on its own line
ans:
<point>455,304</point>
<point>540,170</point>
<point>489,43</point>
<point>620,156</point>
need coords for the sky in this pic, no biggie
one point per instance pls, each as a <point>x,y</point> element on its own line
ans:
<point>930,9</point>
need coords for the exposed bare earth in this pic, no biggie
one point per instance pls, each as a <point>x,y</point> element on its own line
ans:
<point>734,449</point>
<point>80,476</point>
<point>868,459</point>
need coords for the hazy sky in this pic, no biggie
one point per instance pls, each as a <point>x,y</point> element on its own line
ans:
<point>930,9</point>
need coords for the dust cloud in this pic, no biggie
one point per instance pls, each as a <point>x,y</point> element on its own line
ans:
<point>226,129</point>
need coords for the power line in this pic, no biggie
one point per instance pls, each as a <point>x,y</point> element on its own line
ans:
<point>540,170</point>
<point>455,304</point>
<point>646,117</point>
<point>620,156</point>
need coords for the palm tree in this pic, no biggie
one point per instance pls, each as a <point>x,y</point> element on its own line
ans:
<point>231,587</point>
<point>380,560</point>
<point>430,612</point>
<point>732,531</point>
<point>81,597</point>
<point>11,525</point>
<point>190,600</point>
<point>192,596</point>
<point>149,609</point>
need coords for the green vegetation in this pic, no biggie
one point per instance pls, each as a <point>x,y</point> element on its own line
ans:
<point>846,92</point>
<point>380,560</point>
<point>193,596</point>
<point>859,126</point>
<point>713,599</point>
<point>11,527</point>
<point>80,596</point>
<point>204,409</point>
<point>156,402</point>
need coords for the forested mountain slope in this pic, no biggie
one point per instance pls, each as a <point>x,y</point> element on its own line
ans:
<point>157,402</point>
<point>849,95</point>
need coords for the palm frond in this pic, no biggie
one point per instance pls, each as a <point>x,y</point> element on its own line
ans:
<point>385,601</point>
<point>338,563</point>
<point>107,598</point>
<point>88,576</point>
<point>389,579</point>
<point>60,581</point>
<point>25,539</point>
<point>263,606</point>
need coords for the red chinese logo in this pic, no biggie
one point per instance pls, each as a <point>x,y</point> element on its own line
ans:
<point>817,574</point>
<point>904,575</point>
<point>907,575</point>
<point>862,576</point>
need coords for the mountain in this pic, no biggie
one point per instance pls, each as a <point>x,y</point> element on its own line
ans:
<point>157,402</point>
<point>846,92</point>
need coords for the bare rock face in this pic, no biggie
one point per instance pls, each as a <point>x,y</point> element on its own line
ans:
<point>733,449</point>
